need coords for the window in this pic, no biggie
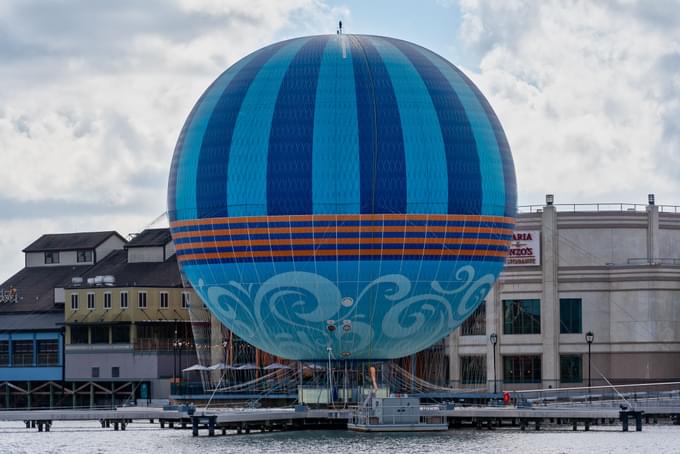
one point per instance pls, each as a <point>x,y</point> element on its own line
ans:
<point>90,301</point>
<point>123,300</point>
<point>522,369</point>
<point>48,352</point>
<point>95,372</point>
<point>84,255</point>
<point>141,300</point>
<point>4,353</point>
<point>51,257</point>
<point>185,300</point>
<point>475,324</point>
<point>80,335</point>
<point>115,372</point>
<point>22,353</point>
<point>74,301</point>
<point>107,301</point>
<point>120,334</point>
<point>100,334</point>
<point>522,316</point>
<point>570,369</point>
<point>473,369</point>
<point>164,300</point>
<point>570,316</point>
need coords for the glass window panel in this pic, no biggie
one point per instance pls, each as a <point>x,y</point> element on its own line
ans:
<point>22,353</point>
<point>120,334</point>
<point>571,369</point>
<point>48,352</point>
<point>522,369</point>
<point>570,316</point>
<point>84,255</point>
<point>522,316</point>
<point>79,335</point>
<point>4,353</point>
<point>475,324</point>
<point>473,369</point>
<point>100,334</point>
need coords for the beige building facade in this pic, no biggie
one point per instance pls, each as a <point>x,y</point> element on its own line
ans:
<point>605,273</point>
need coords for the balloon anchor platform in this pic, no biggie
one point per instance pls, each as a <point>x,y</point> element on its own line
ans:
<point>394,414</point>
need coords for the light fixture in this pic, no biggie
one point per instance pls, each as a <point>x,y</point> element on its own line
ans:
<point>590,337</point>
<point>549,199</point>
<point>493,338</point>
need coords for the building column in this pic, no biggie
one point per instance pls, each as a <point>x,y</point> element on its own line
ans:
<point>652,232</point>
<point>550,308</point>
<point>493,326</point>
<point>453,351</point>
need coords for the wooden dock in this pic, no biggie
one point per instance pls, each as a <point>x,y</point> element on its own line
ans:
<point>244,421</point>
<point>266,420</point>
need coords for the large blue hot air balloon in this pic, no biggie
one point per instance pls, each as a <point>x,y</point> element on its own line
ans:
<point>343,194</point>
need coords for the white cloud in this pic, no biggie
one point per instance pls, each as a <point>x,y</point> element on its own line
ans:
<point>94,95</point>
<point>587,93</point>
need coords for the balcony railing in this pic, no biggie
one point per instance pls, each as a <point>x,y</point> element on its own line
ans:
<point>598,207</point>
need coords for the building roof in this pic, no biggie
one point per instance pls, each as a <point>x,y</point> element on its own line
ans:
<point>70,241</point>
<point>142,274</point>
<point>24,321</point>
<point>35,287</point>
<point>151,237</point>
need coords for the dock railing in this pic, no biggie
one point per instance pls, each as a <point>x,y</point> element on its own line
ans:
<point>638,395</point>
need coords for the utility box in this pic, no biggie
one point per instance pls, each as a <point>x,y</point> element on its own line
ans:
<point>397,410</point>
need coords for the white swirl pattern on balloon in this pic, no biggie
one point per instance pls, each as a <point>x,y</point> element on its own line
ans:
<point>295,308</point>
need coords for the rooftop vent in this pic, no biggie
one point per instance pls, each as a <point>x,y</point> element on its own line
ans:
<point>109,280</point>
<point>76,281</point>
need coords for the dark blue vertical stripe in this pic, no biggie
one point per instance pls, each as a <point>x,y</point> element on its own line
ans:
<point>381,142</point>
<point>365,102</point>
<point>174,166</point>
<point>462,158</point>
<point>503,146</point>
<point>211,178</point>
<point>291,139</point>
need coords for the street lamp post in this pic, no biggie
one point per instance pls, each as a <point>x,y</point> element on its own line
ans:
<point>589,339</point>
<point>494,340</point>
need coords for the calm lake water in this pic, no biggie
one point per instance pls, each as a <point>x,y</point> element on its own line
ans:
<point>78,437</point>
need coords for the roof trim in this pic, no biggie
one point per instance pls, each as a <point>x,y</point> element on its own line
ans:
<point>112,233</point>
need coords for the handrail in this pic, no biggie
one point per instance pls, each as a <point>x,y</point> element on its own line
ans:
<point>598,207</point>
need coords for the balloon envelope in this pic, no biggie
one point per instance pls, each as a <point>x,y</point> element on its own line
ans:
<point>343,195</point>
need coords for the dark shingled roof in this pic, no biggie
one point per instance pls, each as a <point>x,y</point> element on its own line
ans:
<point>70,241</point>
<point>31,321</point>
<point>151,237</point>
<point>35,287</point>
<point>144,274</point>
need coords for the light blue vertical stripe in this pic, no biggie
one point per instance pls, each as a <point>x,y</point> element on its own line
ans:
<point>426,168</point>
<point>335,155</point>
<point>188,165</point>
<point>490,160</point>
<point>247,178</point>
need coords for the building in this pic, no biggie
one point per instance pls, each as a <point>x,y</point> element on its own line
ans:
<point>128,326</point>
<point>609,271</point>
<point>32,315</point>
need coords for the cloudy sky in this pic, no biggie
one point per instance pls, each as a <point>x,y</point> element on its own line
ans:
<point>93,94</point>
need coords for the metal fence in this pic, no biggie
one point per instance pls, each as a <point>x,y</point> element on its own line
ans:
<point>598,207</point>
